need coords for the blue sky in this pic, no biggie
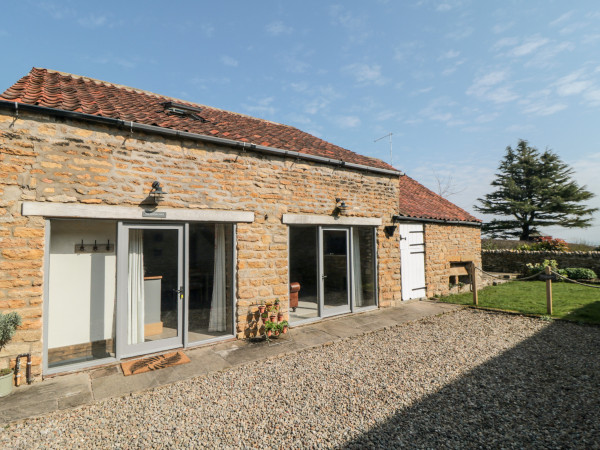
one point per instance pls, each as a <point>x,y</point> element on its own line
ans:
<point>454,81</point>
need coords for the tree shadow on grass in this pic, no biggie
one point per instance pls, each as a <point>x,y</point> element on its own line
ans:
<point>589,313</point>
<point>542,393</point>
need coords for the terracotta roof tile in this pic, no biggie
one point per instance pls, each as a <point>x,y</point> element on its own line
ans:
<point>79,94</point>
<point>418,201</point>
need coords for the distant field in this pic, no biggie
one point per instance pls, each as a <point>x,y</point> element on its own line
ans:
<point>570,301</point>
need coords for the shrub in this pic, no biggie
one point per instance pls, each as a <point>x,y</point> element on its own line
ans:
<point>546,243</point>
<point>580,273</point>
<point>532,269</point>
<point>8,325</point>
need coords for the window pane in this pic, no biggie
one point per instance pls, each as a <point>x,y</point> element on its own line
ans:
<point>303,270</point>
<point>364,267</point>
<point>210,281</point>
<point>81,297</point>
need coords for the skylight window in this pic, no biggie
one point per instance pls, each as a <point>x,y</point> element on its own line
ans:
<point>182,110</point>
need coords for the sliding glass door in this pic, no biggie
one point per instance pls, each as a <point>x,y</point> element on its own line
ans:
<point>332,270</point>
<point>150,283</point>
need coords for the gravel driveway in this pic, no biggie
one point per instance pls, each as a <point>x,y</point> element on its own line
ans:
<point>464,379</point>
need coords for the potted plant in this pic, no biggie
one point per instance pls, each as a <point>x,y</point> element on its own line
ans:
<point>269,328</point>
<point>264,316</point>
<point>276,305</point>
<point>262,308</point>
<point>279,316</point>
<point>8,325</point>
<point>272,314</point>
<point>283,326</point>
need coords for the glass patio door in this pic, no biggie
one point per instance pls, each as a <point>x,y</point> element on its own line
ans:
<point>335,263</point>
<point>150,286</point>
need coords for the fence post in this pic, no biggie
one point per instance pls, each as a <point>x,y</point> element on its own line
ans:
<point>474,283</point>
<point>548,271</point>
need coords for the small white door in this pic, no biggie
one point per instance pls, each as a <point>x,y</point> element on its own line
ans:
<point>412,258</point>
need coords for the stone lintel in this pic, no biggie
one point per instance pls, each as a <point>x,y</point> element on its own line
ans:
<point>317,219</point>
<point>73,210</point>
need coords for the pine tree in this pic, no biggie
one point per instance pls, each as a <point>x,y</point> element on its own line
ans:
<point>534,190</point>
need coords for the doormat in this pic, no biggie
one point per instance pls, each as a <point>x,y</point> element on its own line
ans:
<point>154,363</point>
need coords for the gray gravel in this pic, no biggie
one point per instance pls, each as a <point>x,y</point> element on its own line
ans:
<point>468,379</point>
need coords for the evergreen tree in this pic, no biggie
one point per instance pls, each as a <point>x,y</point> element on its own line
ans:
<point>534,189</point>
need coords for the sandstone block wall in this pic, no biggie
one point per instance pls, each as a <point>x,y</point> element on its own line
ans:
<point>45,159</point>
<point>515,260</point>
<point>445,244</point>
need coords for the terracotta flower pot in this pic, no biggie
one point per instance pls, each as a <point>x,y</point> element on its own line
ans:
<point>261,309</point>
<point>273,317</point>
<point>279,317</point>
<point>285,330</point>
<point>269,332</point>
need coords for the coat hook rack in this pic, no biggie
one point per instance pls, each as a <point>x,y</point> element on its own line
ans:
<point>94,248</point>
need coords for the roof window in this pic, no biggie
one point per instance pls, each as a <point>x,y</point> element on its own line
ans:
<point>182,110</point>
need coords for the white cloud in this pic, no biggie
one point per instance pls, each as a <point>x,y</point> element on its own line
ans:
<point>529,46</point>
<point>562,19</point>
<point>502,27</point>
<point>277,28</point>
<point>450,54</point>
<point>262,107</point>
<point>487,87</point>
<point>92,21</point>
<point>129,63</point>
<point>347,121</point>
<point>440,110</point>
<point>460,33</point>
<point>366,74</point>
<point>358,30</point>
<point>543,108</point>
<point>572,84</point>
<point>207,29</point>
<point>505,42</point>
<point>229,61</point>
<point>593,97</point>
<point>406,50</point>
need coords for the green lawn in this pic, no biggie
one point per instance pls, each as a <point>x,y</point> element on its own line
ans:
<point>570,301</point>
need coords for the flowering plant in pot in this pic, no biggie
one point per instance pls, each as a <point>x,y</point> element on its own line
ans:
<point>8,325</point>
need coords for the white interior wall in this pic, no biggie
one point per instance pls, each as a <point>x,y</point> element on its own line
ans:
<point>81,286</point>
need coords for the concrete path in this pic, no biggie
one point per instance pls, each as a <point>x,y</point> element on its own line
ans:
<point>72,390</point>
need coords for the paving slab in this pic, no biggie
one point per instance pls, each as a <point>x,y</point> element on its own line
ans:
<point>72,390</point>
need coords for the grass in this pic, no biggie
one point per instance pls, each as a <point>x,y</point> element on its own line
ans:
<point>569,301</point>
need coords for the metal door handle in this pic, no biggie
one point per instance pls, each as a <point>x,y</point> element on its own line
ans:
<point>323,276</point>
<point>179,292</point>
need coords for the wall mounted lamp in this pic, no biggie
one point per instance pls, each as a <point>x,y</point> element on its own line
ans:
<point>340,206</point>
<point>157,192</point>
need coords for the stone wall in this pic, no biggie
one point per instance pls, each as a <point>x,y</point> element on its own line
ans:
<point>515,260</point>
<point>446,244</point>
<point>50,160</point>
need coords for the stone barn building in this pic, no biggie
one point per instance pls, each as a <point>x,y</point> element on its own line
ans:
<point>132,223</point>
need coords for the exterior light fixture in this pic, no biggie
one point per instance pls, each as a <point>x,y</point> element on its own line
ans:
<point>340,206</point>
<point>157,192</point>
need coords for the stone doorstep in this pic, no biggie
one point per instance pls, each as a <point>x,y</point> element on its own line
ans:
<point>71,390</point>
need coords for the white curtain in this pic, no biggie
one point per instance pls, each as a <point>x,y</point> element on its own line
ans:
<point>218,313</point>
<point>135,291</point>
<point>358,290</point>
